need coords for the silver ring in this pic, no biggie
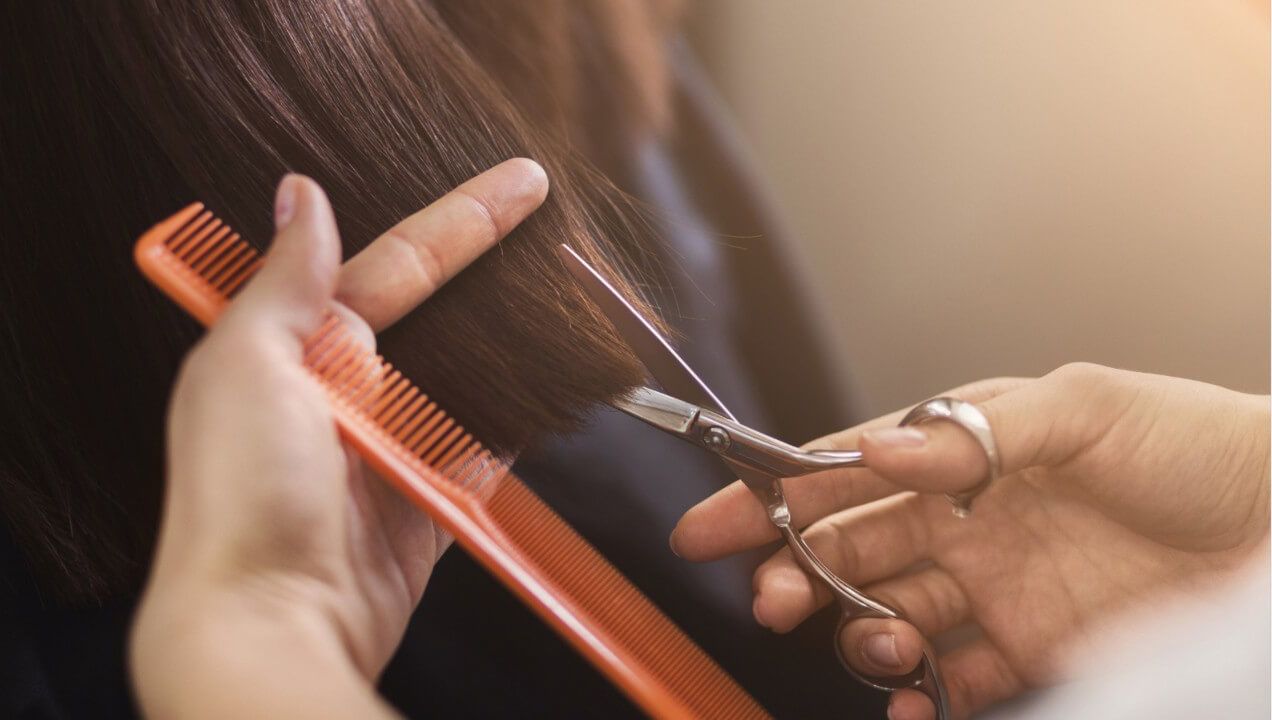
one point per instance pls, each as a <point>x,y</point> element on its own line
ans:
<point>970,418</point>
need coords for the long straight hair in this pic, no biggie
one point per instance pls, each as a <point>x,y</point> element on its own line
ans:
<point>118,113</point>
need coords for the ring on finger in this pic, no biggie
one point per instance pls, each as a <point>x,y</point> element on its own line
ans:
<point>973,421</point>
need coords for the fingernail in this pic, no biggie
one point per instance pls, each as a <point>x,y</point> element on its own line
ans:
<point>881,650</point>
<point>285,202</point>
<point>891,713</point>
<point>910,437</point>
<point>671,542</point>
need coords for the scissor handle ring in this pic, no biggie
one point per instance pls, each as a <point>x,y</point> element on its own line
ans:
<point>973,421</point>
<point>855,605</point>
<point>925,677</point>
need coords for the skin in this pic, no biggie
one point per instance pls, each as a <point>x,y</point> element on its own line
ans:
<point>286,572</point>
<point>1118,490</point>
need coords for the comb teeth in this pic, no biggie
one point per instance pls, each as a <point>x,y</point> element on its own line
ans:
<point>208,253</point>
<point>201,263</point>
<point>412,425</point>
<point>214,252</point>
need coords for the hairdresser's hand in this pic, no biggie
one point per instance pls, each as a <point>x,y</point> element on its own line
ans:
<point>286,573</point>
<point>1118,488</point>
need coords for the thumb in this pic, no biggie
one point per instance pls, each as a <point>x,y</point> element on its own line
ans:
<point>1044,422</point>
<point>293,290</point>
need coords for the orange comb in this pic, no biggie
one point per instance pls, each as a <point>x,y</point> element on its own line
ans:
<point>200,263</point>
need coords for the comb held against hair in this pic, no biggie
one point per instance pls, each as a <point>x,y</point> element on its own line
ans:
<point>201,263</point>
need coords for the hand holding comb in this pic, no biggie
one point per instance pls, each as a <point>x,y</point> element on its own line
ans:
<point>434,463</point>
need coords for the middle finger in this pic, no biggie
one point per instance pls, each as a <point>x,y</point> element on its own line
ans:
<point>731,520</point>
<point>860,545</point>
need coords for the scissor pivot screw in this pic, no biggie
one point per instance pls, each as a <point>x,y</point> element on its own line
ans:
<point>717,439</point>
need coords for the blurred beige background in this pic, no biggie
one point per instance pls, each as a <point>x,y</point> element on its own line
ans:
<point>1001,187</point>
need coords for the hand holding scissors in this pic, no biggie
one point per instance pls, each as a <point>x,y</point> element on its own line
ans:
<point>1118,491</point>
<point>690,411</point>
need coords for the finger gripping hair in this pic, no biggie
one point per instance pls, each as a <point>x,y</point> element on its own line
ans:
<point>134,109</point>
<point>380,103</point>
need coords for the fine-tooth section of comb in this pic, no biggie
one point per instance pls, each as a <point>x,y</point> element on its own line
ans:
<point>201,263</point>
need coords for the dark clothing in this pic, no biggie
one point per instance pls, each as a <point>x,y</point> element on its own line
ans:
<point>728,284</point>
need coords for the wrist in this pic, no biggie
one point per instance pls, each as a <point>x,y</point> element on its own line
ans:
<point>206,651</point>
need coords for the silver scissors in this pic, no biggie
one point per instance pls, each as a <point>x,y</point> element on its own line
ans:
<point>689,410</point>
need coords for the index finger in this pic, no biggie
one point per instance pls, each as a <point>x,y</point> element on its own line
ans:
<point>414,258</point>
<point>732,520</point>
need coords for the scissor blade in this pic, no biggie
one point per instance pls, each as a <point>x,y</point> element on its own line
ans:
<point>671,372</point>
<point>658,409</point>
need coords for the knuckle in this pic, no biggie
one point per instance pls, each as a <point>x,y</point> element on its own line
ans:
<point>234,346</point>
<point>895,598</point>
<point>829,542</point>
<point>988,388</point>
<point>981,389</point>
<point>842,494</point>
<point>424,256</point>
<point>195,366</point>
<point>202,368</point>
<point>483,211</point>
<point>1101,391</point>
<point>917,530</point>
<point>941,604</point>
<point>961,693</point>
<point>1081,375</point>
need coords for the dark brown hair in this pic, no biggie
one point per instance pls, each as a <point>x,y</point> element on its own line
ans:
<point>119,113</point>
